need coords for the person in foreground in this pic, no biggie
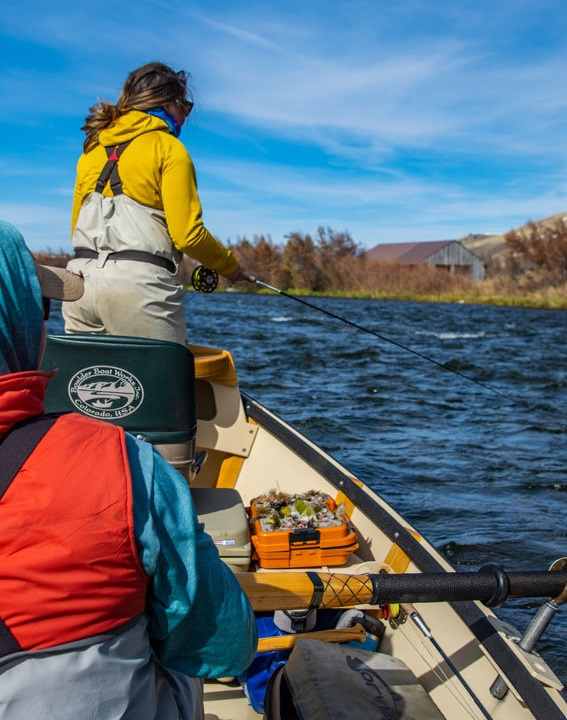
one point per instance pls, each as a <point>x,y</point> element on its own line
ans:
<point>113,600</point>
<point>136,211</point>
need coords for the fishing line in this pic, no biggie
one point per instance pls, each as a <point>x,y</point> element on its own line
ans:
<point>205,280</point>
<point>418,354</point>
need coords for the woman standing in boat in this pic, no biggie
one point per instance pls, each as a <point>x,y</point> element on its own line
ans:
<point>136,210</point>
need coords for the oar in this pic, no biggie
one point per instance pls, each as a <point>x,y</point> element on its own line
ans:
<point>293,590</point>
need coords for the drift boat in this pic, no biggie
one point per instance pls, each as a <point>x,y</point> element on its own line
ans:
<point>452,648</point>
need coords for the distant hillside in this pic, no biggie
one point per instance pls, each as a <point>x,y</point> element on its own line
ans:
<point>492,247</point>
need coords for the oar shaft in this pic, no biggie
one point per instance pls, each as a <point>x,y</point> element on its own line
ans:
<point>292,590</point>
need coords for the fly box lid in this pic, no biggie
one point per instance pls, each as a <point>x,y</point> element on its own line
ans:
<point>222,512</point>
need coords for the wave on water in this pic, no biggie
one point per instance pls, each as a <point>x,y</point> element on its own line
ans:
<point>452,335</point>
<point>554,486</point>
<point>364,355</point>
<point>281,318</point>
<point>459,336</point>
<point>506,551</point>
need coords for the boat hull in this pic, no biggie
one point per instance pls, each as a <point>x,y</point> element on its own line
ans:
<point>471,635</point>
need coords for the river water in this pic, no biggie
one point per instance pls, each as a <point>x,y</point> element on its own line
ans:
<point>482,476</point>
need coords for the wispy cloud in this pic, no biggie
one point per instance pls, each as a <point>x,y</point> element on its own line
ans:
<point>447,89</point>
<point>412,120</point>
<point>303,185</point>
<point>399,207</point>
<point>239,33</point>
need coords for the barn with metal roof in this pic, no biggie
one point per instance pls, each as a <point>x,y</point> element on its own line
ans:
<point>448,255</point>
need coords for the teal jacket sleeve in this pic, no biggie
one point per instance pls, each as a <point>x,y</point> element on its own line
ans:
<point>201,623</point>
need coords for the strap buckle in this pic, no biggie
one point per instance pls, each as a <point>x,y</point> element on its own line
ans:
<point>102,258</point>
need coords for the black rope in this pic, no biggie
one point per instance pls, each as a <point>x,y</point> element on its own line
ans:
<point>418,354</point>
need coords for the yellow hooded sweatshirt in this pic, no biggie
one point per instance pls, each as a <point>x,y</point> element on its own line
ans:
<point>157,171</point>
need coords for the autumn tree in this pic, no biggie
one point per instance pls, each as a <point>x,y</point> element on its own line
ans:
<point>261,257</point>
<point>299,261</point>
<point>540,247</point>
<point>339,258</point>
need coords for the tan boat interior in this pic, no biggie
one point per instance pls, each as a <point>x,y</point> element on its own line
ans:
<point>242,454</point>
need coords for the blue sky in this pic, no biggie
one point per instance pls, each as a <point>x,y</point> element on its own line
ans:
<point>399,120</point>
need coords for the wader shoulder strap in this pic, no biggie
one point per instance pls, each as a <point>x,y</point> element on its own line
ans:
<point>110,170</point>
<point>19,444</point>
<point>15,449</point>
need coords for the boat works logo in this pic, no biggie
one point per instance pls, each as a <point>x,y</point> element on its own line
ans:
<point>105,391</point>
<point>381,695</point>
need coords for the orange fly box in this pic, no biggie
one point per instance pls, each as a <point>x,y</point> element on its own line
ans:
<point>304,547</point>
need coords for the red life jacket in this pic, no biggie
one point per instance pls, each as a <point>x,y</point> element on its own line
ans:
<point>69,562</point>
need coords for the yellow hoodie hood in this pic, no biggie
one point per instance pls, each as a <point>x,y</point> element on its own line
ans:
<point>130,125</point>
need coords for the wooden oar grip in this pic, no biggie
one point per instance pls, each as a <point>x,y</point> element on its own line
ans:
<point>289,591</point>
<point>287,642</point>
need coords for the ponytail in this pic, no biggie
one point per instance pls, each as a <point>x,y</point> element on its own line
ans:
<point>100,116</point>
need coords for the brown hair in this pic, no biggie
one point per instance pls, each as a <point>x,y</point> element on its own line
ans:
<point>150,86</point>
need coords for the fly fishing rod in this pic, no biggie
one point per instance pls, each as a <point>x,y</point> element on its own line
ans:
<point>206,280</point>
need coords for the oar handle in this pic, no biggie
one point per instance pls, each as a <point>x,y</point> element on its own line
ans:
<point>486,585</point>
<point>293,590</point>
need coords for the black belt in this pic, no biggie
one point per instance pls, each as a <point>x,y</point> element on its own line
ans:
<point>136,255</point>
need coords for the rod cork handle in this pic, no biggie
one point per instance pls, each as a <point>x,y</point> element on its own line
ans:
<point>294,590</point>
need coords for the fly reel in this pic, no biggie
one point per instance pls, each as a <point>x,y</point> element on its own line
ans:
<point>204,280</point>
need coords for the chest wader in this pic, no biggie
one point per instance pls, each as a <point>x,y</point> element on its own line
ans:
<point>125,253</point>
<point>109,174</point>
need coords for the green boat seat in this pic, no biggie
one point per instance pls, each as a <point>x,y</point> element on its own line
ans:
<point>145,386</point>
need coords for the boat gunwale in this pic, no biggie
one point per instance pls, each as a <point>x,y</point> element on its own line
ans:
<point>530,689</point>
